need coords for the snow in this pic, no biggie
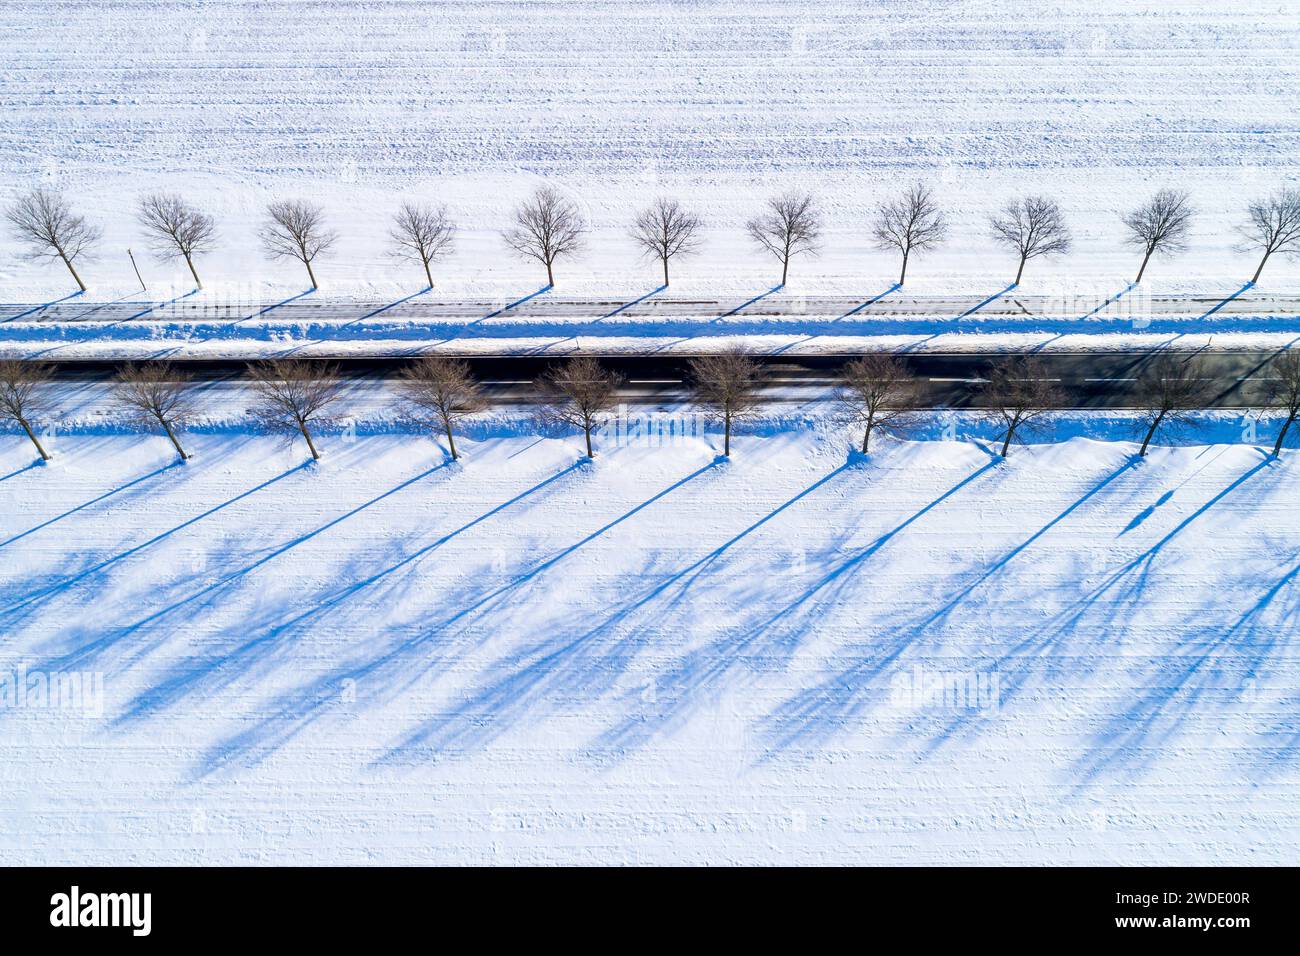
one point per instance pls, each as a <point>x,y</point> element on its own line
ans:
<point>795,656</point>
<point>361,106</point>
<point>655,657</point>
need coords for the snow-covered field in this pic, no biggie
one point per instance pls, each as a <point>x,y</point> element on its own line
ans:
<point>360,105</point>
<point>794,656</point>
<point>798,655</point>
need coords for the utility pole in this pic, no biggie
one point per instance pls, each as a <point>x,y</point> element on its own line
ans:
<point>143,287</point>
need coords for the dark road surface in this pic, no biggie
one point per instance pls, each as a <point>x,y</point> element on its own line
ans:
<point>1089,379</point>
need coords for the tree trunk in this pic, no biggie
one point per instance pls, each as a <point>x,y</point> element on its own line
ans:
<point>866,438</point>
<point>315,455</point>
<point>665,272</point>
<point>176,444</point>
<point>45,455</point>
<point>1020,271</point>
<point>451,441</point>
<point>1281,436</point>
<point>310,274</point>
<point>1143,268</point>
<point>82,286</point>
<point>1254,278</point>
<point>550,276</point>
<point>785,269</point>
<point>1006,444</point>
<point>726,435</point>
<point>586,430</point>
<point>903,275</point>
<point>198,284</point>
<point>1142,453</point>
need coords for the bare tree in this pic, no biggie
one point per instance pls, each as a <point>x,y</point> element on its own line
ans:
<point>726,387</point>
<point>22,387</point>
<point>578,393</point>
<point>293,394</point>
<point>296,230</point>
<point>176,229</point>
<point>877,393</point>
<point>1274,226</point>
<point>422,234</point>
<point>1286,392</point>
<point>44,222</point>
<point>1032,226</point>
<point>666,230</point>
<point>910,223</point>
<point>156,394</point>
<point>443,389</point>
<point>1168,390</point>
<point>546,227</point>
<point>1160,225</point>
<point>1018,395</point>
<point>790,225</point>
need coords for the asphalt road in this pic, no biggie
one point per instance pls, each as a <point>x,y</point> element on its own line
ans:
<point>1095,380</point>
<point>538,304</point>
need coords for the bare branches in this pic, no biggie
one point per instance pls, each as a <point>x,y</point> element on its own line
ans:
<point>726,387</point>
<point>1032,226</point>
<point>791,225</point>
<point>1286,392</point>
<point>1274,226</point>
<point>1168,391</point>
<point>1160,225</point>
<point>546,227</point>
<point>578,393</point>
<point>1018,395</point>
<point>666,230</point>
<point>176,230</point>
<point>155,393</point>
<point>295,229</point>
<point>422,234</point>
<point>44,222</point>
<point>444,390</point>
<point>293,394</point>
<point>22,387</point>
<point>877,393</point>
<point>910,223</point>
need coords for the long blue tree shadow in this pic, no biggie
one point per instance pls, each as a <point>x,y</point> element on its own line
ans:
<point>161,305</point>
<point>814,715</point>
<point>562,664</point>
<point>392,305</point>
<point>1114,298</point>
<point>1224,302</point>
<point>1215,669</point>
<point>1124,589</point>
<point>45,305</point>
<point>390,671</point>
<point>263,311</point>
<point>703,669</point>
<point>758,298</point>
<point>872,301</point>
<point>515,304</point>
<point>993,298</point>
<point>196,599</point>
<point>14,474</point>
<point>120,489</point>
<point>627,305</point>
<point>251,650</point>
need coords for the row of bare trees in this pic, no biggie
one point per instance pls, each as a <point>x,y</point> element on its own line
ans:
<point>877,394</point>
<point>549,226</point>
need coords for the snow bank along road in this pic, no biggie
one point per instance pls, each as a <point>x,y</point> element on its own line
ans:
<point>925,657</point>
<point>310,307</point>
<point>1089,379</point>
